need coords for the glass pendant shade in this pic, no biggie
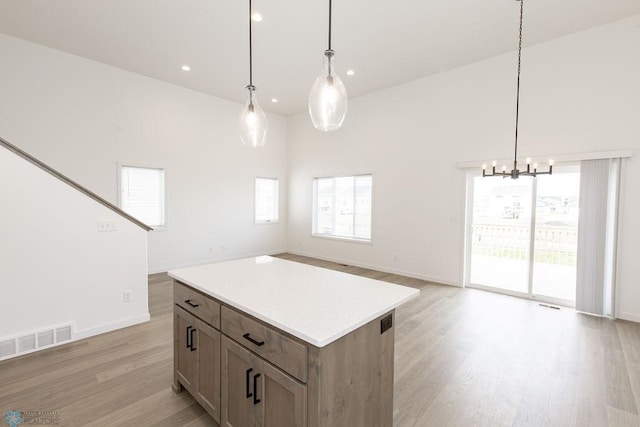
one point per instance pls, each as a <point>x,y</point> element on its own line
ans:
<point>253,123</point>
<point>328,98</point>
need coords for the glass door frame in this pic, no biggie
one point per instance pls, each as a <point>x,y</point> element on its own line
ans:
<point>471,175</point>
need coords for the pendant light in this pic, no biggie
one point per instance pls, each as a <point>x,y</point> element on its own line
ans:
<point>515,172</point>
<point>328,97</point>
<point>253,121</point>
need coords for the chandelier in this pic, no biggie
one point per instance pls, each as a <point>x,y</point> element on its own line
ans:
<point>532,170</point>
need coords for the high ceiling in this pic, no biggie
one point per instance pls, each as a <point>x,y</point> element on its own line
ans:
<point>385,42</point>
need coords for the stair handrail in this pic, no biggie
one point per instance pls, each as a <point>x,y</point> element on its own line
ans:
<point>31,159</point>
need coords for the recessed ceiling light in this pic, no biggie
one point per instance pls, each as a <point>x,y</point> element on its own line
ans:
<point>256,17</point>
<point>350,72</point>
<point>186,68</point>
<point>274,100</point>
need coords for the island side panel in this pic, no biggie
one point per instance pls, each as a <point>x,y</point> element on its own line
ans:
<point>351,379</point>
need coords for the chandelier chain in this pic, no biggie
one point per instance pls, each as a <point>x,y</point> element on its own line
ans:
<point>515,154</point>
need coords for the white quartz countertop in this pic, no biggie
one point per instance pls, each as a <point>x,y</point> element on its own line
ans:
<point>314,304</point>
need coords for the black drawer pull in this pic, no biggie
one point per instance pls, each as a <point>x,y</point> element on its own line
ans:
<point>248,375</point>
<point>188,301</point>
<point>255,389</point>
<point>189,337</point>
<point>193,347</point>
<point>248,337</point>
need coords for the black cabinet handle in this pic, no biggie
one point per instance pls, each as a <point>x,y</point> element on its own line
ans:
<point>248,337</point>
<point>193,347</point>
<point>188,301</point>
<point>189,337</point>
<point>255,389</point>
<point>248,375</point>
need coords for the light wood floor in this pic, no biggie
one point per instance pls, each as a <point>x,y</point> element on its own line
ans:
<point>463,358</point>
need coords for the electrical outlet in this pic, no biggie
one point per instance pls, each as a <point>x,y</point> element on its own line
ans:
<point>386,323</point>
<point>104,226</point>
<point>127,296</point>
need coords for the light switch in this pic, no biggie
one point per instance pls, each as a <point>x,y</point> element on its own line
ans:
<point>104,226</point>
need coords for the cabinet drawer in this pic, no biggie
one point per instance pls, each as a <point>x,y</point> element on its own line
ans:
<point>197,304</point>
<point>284,352</point>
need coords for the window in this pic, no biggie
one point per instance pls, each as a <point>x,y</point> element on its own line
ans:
<point>342,207</point>
<point>266,203</point>
<point>142,194</point>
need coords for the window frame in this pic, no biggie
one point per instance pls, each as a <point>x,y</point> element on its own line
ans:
<point>164,189</point>
<point>314,200</point>
<point>277,201</point>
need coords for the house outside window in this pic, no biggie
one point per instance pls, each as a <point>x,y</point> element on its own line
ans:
<point>142,194</point>
<point>342,207</point>
<point>266,200</point>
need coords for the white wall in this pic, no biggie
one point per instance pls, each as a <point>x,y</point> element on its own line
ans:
<point>82,117</point>
<point>579,94</point>
<point>55,267</point>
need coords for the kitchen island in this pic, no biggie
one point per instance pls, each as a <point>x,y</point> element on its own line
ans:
<point>265,341</point>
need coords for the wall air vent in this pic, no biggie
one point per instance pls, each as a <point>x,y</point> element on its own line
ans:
<point>7,348</point>
<point>45,338</point>
<point>26,343</point>
<point>30,342</point>
<point>63,334</point>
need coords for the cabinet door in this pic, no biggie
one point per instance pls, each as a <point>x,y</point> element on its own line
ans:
<point>283,399</point>
<point>239,374</point>
<point>185,354</point>
<point>208,389</point>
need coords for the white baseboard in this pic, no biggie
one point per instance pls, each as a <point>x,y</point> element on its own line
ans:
<point>191,264</point>
<point>79,335</point>
<point>629,316</point>
<point>433,279</point>
<point>108,327</point>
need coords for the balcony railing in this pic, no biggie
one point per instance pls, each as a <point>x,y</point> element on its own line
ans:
<point>553,244</point>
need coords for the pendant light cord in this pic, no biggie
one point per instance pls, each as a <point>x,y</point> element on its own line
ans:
<point>250,48</point>
<point>329,24</point>
<point>515,155</point>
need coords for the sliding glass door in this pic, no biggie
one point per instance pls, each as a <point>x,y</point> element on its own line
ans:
<point>556,238</point>
<point>523,235</point>
<point>501,233</point>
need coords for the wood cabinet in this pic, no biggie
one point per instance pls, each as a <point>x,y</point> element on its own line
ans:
<point>208,368</point>
<point>197,360</point>
<point>247,373</point>
<point>185,356</point>
<point>257,394</point>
